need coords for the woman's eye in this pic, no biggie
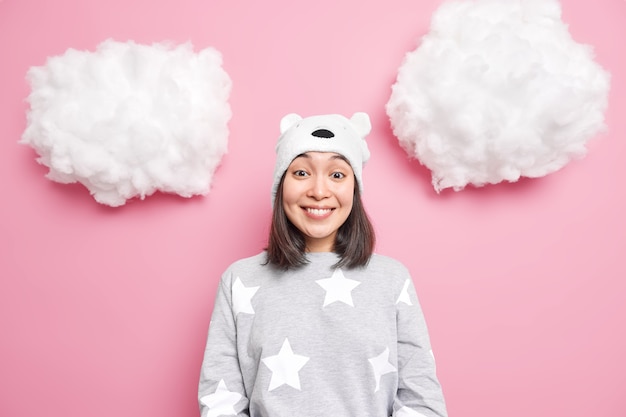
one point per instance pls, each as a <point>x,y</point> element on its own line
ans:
<point>338,175</point>
<point>300,173</point>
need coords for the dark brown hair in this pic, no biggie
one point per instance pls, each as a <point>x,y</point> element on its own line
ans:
<point>354,242</point>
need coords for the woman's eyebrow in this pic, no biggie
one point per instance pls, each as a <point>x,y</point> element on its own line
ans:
<point>339,156</point>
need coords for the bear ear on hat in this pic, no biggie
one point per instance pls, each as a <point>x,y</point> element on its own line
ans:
<point>362,124</point>
<point>288,121</point>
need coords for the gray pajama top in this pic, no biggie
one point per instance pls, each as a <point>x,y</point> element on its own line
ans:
<point>318,341</point>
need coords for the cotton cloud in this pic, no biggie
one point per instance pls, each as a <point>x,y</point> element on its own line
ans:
<point>128,119</point>
<point>497,90</point>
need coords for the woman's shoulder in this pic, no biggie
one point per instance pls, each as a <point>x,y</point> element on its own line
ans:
<point>383,261</point>
<point>388,267</point>
<point>244,267</point>
<point>388,276</point>
<point>248,263</point>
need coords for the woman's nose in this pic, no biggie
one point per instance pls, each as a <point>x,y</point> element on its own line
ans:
<point>319,188</point>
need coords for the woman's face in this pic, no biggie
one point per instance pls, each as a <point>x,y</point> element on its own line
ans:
<point>318,192</point>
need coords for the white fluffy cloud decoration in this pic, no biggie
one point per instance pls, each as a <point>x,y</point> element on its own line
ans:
<point>128,119</point>
<point>497,90</point>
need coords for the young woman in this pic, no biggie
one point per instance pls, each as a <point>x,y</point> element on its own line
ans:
<point>317,325</point>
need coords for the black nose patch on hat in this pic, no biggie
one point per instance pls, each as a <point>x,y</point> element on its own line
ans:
<point>323,133</point>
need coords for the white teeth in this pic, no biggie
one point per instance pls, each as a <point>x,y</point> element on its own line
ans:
<point>318,212</point>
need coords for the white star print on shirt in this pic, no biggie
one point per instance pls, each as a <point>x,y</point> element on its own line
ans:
<point>404,294</point>
<point>242,297</point>
<point>381,366</point>
<point>407,412</point>
<point>222,402</point>
<point>285,367</point>
<point>338,288</point>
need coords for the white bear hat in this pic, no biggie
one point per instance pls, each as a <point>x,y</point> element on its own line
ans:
<point>323,133</point>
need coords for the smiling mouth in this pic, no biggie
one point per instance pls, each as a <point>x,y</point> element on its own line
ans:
<point>318,212</point>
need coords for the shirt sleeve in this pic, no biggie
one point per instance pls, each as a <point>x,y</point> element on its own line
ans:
<point>419,391</point>
<point>221,389</point>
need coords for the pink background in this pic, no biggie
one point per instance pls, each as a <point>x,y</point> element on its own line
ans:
<point>104,312</point>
